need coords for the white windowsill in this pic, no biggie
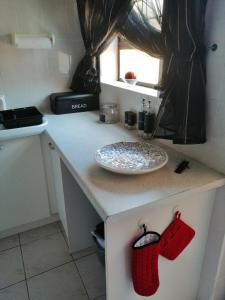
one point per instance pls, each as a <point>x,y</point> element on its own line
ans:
<point>133,88</point>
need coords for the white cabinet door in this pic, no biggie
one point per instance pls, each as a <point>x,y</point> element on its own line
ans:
<point>54,179</point>
<point>47,149</point>
<point>23,189</point>
<point>77,215</point>
<point>57,173</point>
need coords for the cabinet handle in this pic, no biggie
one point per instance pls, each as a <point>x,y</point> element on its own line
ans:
<point>51,146</point>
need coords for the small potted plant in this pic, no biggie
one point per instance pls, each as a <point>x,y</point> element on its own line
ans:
<point>131,78</point>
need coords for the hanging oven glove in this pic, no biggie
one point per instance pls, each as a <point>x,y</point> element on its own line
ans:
<point>175,238</point>
<point>145,252</point>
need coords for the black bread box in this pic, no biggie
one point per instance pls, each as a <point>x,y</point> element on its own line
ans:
<point>71,102</point>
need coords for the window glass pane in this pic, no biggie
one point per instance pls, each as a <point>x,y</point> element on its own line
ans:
<point>145,67</point>
<point>152,9</point>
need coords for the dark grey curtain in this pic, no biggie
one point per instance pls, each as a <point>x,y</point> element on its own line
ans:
<point>181,115</point>
<point>98,21</point>
<point>176,35</point>
<point>178,38</point>
<point>144,30</point>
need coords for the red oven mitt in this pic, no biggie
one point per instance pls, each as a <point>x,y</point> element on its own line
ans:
<point>175,238</point>
<point>145,252</point>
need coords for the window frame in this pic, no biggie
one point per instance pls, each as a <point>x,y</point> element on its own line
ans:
<point>124,44</point>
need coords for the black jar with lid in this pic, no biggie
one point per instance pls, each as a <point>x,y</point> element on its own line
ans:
<point>132,120</point>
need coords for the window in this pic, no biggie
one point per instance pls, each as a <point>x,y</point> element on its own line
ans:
<point>121,57</point>
<point>146,68</point>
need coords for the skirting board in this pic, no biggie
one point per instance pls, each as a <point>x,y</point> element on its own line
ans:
<point>29,226</point>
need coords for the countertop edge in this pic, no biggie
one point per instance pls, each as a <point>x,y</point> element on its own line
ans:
<point>103,214</point>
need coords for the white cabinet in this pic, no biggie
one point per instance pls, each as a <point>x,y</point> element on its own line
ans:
<point>23,189</point>
<point>54,179</point>
<point>48,152</point>
<point>66,197</point>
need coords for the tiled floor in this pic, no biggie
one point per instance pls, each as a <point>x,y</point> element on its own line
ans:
<point>36,265</point>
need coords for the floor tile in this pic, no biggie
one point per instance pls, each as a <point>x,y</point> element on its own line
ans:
<point>11,267</point>
<point>61,228</point>
<point>93,275</point>
<point>62,283</point>
<point>15,292</point>
<point>37,233</point>
<point>83,253</point>
<point>9,242</point>
<point>44,254</point>
<point>59,223</point>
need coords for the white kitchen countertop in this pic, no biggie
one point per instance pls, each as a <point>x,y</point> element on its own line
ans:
<point>77,137</point>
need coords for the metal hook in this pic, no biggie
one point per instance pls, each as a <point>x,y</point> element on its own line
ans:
<point>145,228</point>
<point>213,47</point>
<point>143,222</point>
<point>175,209</point>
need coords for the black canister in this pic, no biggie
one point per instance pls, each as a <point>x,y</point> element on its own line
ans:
<point>149,122</point>
<point>132,120</point>
<point>126,117</point>
<point>141,120</point>
<point>141,117</point>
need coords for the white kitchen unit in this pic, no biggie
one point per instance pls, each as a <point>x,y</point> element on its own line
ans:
<point>66,197</point>
<point>23,189</point>
<point>53,173</point>
<point>80,215</point>
<point>124,202</point>
<point>54,180</point>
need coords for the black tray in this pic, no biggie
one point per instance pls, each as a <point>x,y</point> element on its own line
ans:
<point>21,117</point>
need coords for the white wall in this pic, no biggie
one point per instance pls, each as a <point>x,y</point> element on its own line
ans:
<point>211,153</point>
<point>27,77</point>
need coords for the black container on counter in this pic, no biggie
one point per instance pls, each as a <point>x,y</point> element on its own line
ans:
<point>141,117</point>
<point>21,117</point>
<point>71,102</point>
<point>126,117</point>
<point>132,120</point>
<point>149,121</point>
<point>141,120</point>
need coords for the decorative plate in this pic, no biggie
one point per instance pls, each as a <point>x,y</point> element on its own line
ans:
<point>131,157</point>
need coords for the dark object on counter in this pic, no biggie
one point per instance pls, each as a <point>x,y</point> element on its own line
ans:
<point>132,120</point>
<point>149,121</point>
<point>141,116</point>
<point>71,102</point>
<point>109,113</point>
<point>126,117</point>
<point>141,119</point>
<point>21,117</point>
<point>1,118</point>
<point>102,118</point>
<point>182,166</point>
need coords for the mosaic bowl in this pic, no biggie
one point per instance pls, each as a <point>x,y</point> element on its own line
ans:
<point>131,157</point>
